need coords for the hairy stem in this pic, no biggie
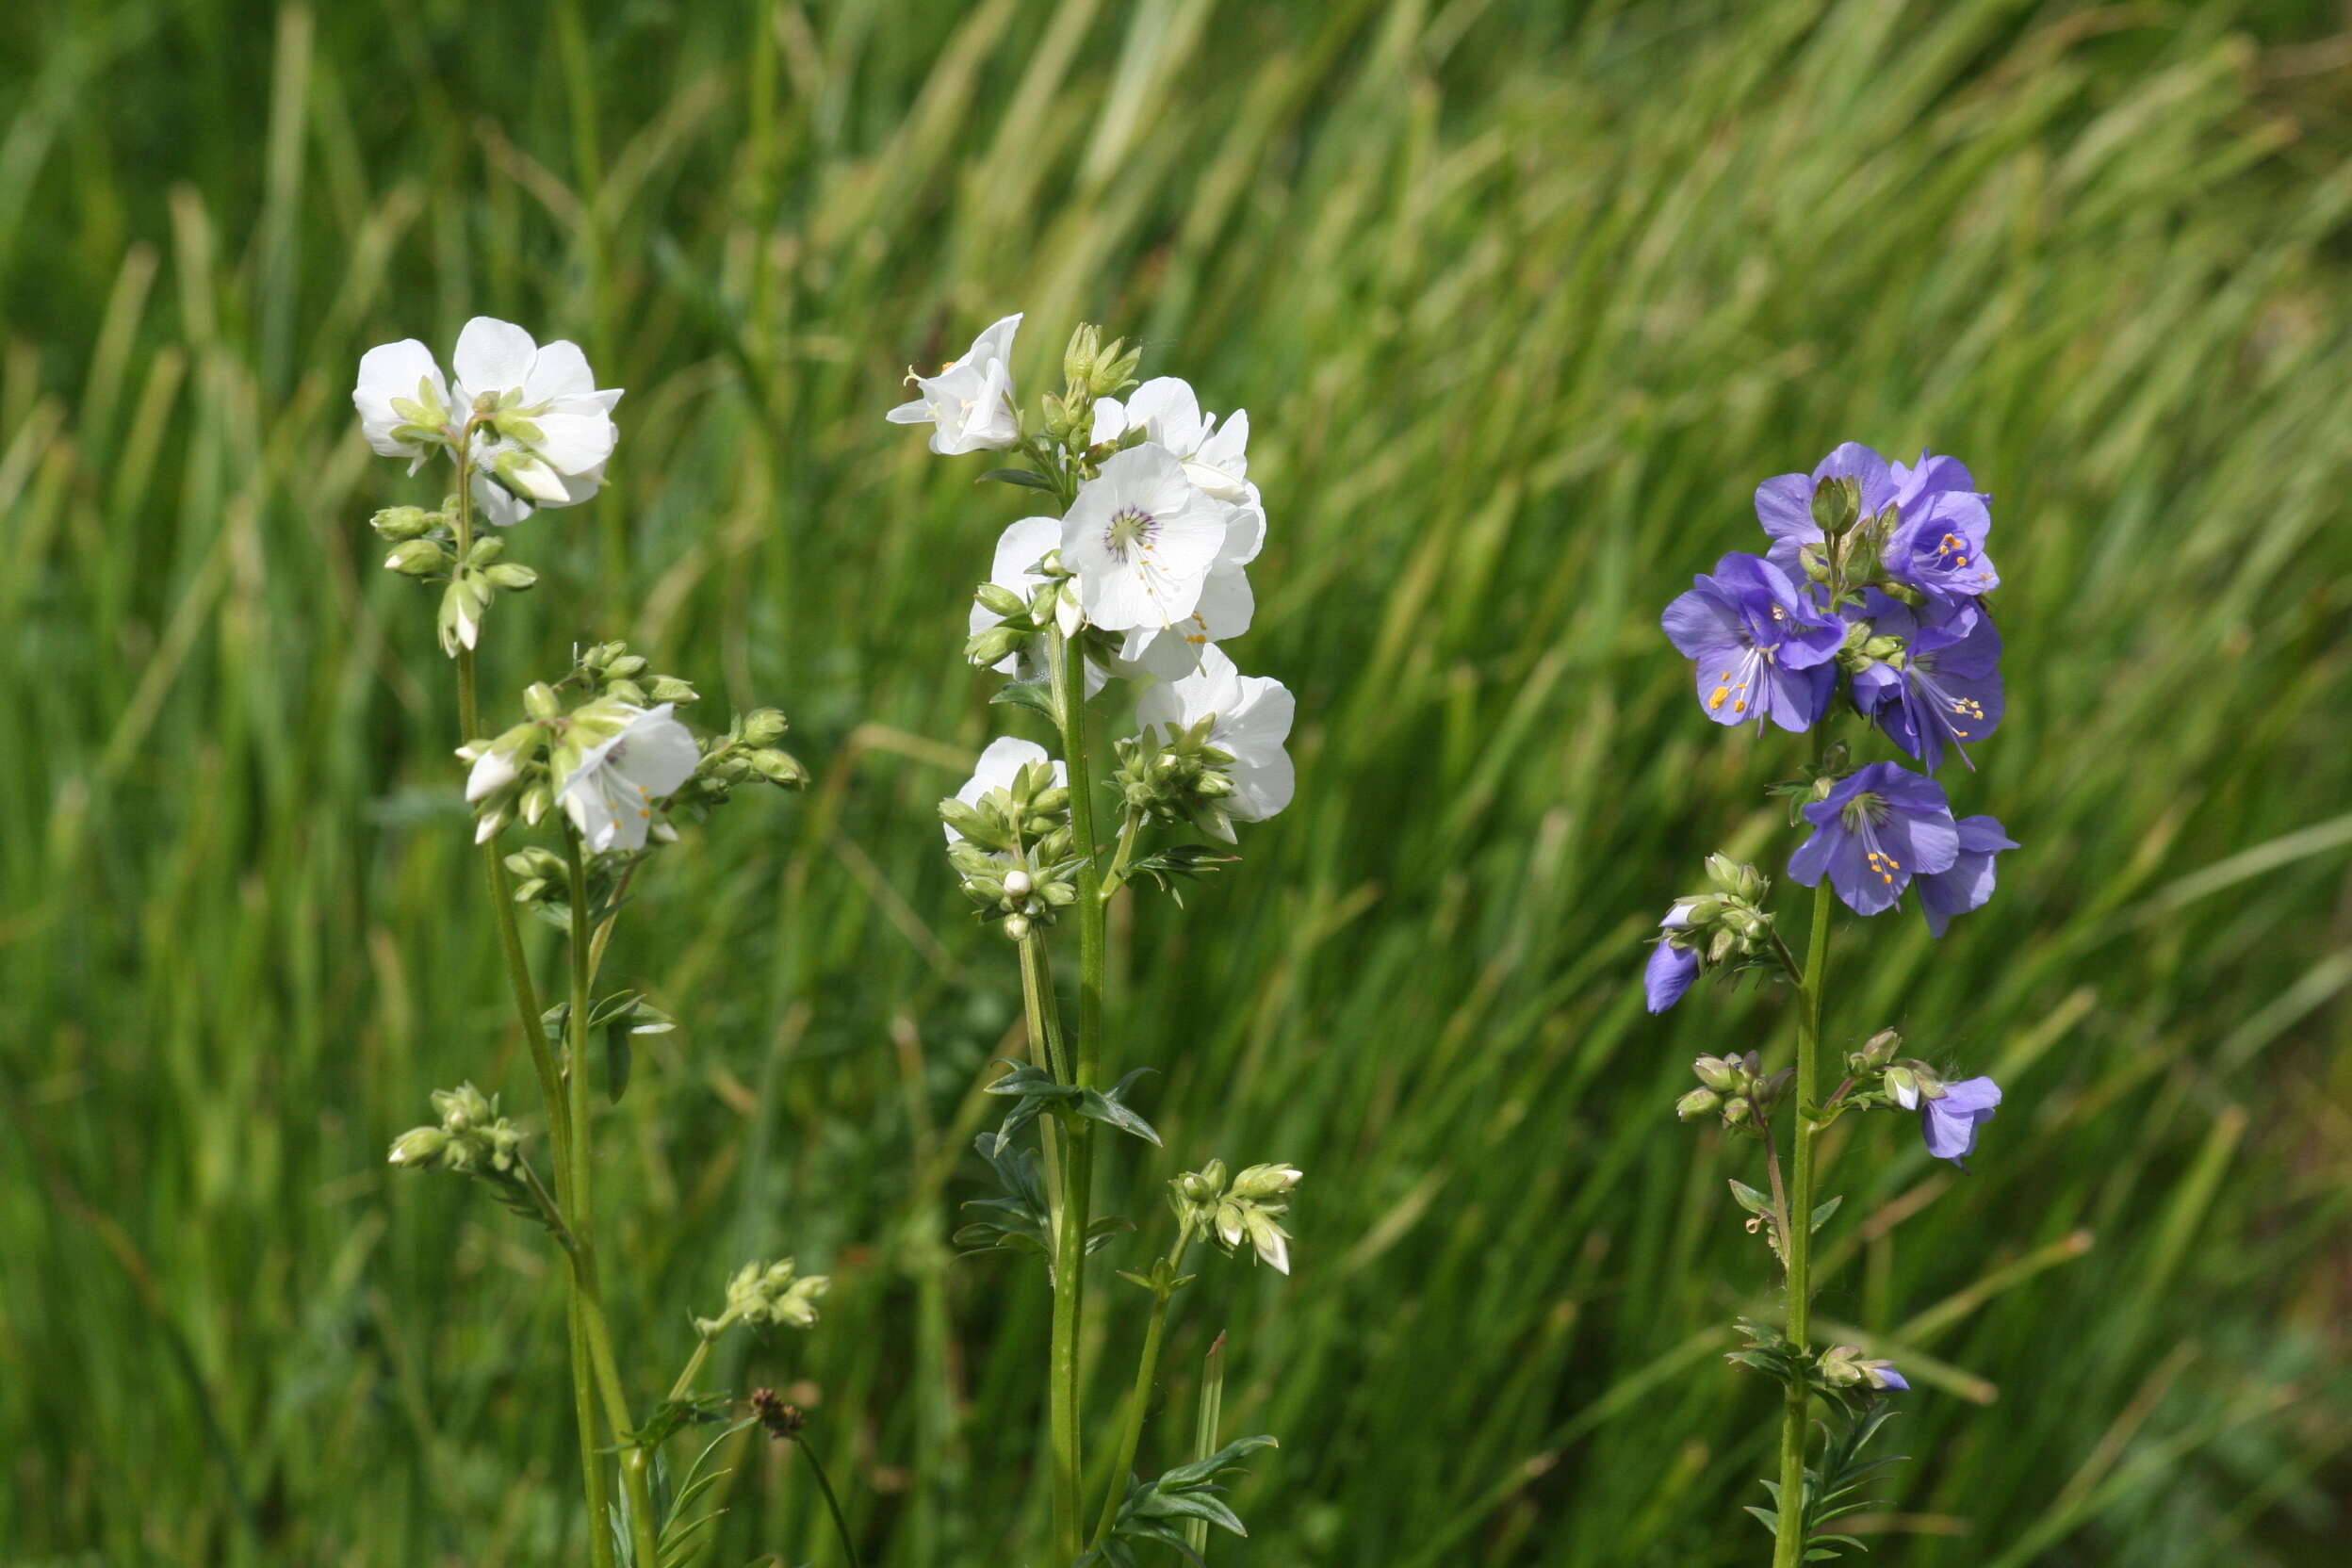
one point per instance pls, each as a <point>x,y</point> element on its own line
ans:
<point>1797,1220</point>
<point>1069,1267</point>
<point>526,994</point>
<point>1139,1401</point>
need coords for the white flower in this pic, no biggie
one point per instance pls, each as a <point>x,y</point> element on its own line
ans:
<point>998,765</point>
<point>1018,549</point>
<point>552,428</point>
<point>403,400</point>
<point>1141,540</point>
<point>1165,409</point>
<point>969,403</point>
<point>493,770</point>
<point>610,792</point>
<point>1223,611</point>
<point>1252,717</point>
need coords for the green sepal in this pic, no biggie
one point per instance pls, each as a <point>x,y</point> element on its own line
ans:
<point>1022,477</point>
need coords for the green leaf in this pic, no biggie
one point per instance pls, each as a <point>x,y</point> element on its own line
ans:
<point>616,1059</point>
<point>1032,694</point>
<point>1751,1200</point>
<point>1096,1106</point>
<point>1821,1213</point>
<point>1022,477</point>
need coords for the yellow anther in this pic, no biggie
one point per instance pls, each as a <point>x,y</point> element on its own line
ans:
<point>1716,700</point>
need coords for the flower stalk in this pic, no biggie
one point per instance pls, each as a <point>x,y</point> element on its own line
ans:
<point>1796,1222</point>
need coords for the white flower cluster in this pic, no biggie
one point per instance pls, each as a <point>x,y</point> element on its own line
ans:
<point>1152,550</point>
<point>535,428</point>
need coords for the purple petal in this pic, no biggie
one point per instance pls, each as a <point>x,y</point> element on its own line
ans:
<point>1973,1097</point>
<point>1671,971</point>
<point>1702,621</point>
<point>1852,460</point>
<point>1784,504</point>
<point>1889,1378</point>
<point>1798,698</point>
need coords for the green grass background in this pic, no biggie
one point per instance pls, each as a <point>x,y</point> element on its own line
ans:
<point>1523,300</point>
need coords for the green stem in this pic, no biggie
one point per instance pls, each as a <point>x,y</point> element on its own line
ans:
<point>1788,1549</point>
<point>833,1504</point>
<point>1146,1369</point>
<point>644,1537</point>
<point>593,1483</point>
<point>685,1383</point>
<point>1070,1269</point>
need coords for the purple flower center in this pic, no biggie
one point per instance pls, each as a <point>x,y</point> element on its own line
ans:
<point>1130,527</point>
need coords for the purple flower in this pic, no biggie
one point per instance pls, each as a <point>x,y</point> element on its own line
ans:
<point>1950,1121</point>
<point>1938,546</point>
<point>1784,504</point>
<point>1672,969</point>
<point>1947,690</point>
<point>1889,1378</point>
<point>1762,649</point>
<point>1877,829</point>
<point>1671,972</point>
<point>1969,882</point>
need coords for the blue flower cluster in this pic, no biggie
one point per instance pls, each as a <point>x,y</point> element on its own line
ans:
<point>1877,581</point>
<point>1877,571</point>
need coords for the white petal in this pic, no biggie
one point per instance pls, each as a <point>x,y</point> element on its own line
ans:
<point>494,770</point>
<point>655,753</point>
<point>492,356</point>
<point>559,371</point>
<point>393,371</point>
<point>574,443</point>
<point>499,504</point>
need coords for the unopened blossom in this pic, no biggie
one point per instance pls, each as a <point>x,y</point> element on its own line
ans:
<point>1018,549</point>
<point>1672,968</point>
<point>1876,831</point>
<point>1950,1121</point>
<point>999,764</point>
<point>969,403</point>
<point>610,788</point>
<point>1215,458</point>
<point>404,400</point>
<point>1947,689</point>
<point>1846,1366</point>
<point>1784,504</point>
<point>1223,611</point>
<point>1761,647</point>
<point>1141,538</point>
<point>1250,719</point>
<point>1969,881</point>
<point>547,429</point>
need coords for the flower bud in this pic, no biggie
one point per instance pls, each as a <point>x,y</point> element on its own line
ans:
<point>765,727</point>
<point>1881,1047</point>
<point>1902,1086</point>
<point>1718,1073</point>
<point>1836,502</point>
<point>1259,1182</point>
<point>418,558</point>
<point>1018,882</point>
<point>1696,1103</point>
<point>1017,927</point>
<point>1737,1110</point>
<point>1078,359</point>
<point>1720,949</point>
<point>779,767</point>
<point>400,523</point>
<point>994,644</point>
<point>512,576</point>
<point>418,1146</point>
<point>999,600</point>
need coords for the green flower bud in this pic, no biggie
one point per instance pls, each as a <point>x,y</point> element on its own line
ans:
<point>512,576</point>
<point>1836,502</point>
<point>1737,1111</point>
<point>765,727</point>
<point>418,1146</point>
<point>994,644</point>
<point>1698,1102</point>
<point>418,558</point>
<point>1718,1073</point>
<point>400,523</point>
<point>999,600</point>
<point>1881,1047</point>
<point>779,767</point>
<point>1017,928</point>
<point>1259,1182</point>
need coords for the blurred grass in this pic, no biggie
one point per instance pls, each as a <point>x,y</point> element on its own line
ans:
<point>1522,302</point>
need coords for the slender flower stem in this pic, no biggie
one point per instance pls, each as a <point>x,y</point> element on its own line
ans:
<point>1797,1218</point>
<point>593,1483</point>
<point>1069,1267</point>
<point>1147,1368</point>
<point>833,1504</point>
